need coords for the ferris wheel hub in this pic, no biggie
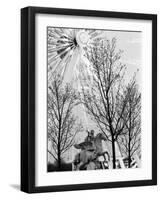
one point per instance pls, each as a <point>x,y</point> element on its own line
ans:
<point>82,38</point>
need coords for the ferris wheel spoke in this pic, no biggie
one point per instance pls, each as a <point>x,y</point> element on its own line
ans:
<point>61,63</point>
<point>59,48</point>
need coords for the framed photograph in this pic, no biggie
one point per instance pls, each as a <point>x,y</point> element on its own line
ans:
<point>88,99</point>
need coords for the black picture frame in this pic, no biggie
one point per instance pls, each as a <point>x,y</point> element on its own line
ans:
<point>28,91</point>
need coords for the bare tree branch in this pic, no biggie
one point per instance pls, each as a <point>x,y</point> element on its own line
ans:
<point>104,99</point>
<point>62,124</point>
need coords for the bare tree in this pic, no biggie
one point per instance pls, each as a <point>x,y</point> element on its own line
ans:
<point>130,140</point>
<point>62,124</point>
<point>104,98</point>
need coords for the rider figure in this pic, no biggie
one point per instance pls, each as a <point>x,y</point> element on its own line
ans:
<point>87,150</point>
<point>90,136</point>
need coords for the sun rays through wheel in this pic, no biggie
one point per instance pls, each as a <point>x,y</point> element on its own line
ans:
<point>66,50</point>
<point>66,56</point>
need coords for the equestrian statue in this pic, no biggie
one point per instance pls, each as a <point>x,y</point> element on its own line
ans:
<point>91,156</point>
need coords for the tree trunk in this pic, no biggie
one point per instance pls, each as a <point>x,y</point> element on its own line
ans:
<point>59,142</point>
<point>113,153</point>
<point>129,145</point>
<point>59,162</point>
<point>129,153</point>
<point>59,158</point>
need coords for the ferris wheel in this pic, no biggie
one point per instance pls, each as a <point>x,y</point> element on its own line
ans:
<point>66,52</point>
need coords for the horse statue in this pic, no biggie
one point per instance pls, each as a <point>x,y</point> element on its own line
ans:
<point>91,151</point>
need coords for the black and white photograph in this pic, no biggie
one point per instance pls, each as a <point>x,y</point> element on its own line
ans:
<point>94,87</point>
<point>89,99</point>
